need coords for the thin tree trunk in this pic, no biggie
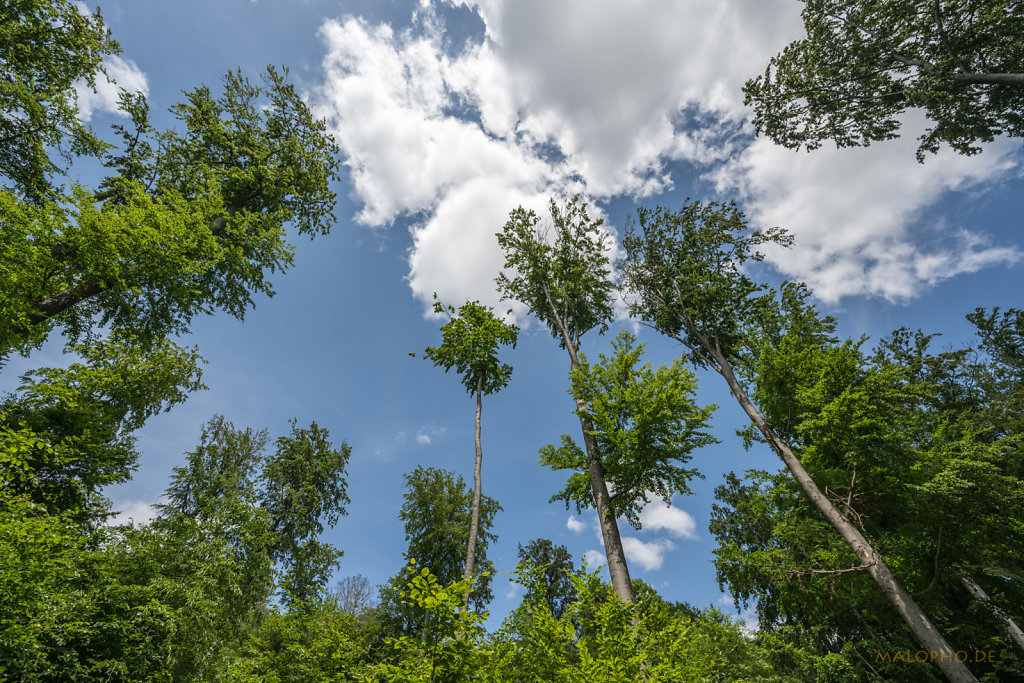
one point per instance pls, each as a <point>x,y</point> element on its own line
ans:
<point>980,595</point>
<point>615,555</point>
<point>928,637</point>
<point>474,518</point>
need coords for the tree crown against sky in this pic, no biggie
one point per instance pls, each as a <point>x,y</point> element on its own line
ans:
<point>184,221</point>
<point>469,343</point>
<point>862,65</point>
<point>565,282</point>
<point>646,425</point>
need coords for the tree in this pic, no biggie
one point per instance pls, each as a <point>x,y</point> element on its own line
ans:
<point>556,567</point>
<point>436,510</point>
<point>469,343</point>
<point>46,46</point>
<point>685,272</point>
<point>645,425</point>
<point>354,595</point>
<point>567,285</point>
<point>185,222</point>
<point>861,65</point>
<point>296,490</point>
<point>169,601</point>
<point>82,418</point>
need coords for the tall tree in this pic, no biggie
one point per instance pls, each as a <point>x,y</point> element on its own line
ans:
<point>297,489</point>
<point>556,567</point>
<point>566,283</point>
<point>685,269</point>
<point>185,222</point>
<point>861,65</point>
<point>469,343</point>
<point>645,425</point>
<point>436,509</point>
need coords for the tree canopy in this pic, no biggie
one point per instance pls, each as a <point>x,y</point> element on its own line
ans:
<point>646,425</point>
<point>862,65</point>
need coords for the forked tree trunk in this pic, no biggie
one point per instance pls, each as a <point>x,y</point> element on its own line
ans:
<point>928,637</point>
<point>474,517</point>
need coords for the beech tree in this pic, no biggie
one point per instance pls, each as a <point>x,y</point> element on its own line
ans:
<point>296,490</point>
<point>469,343</point>
<point>185,221</point>
<point>566,283</point>
<point>685,270</point>
<point>436,510</point>
<point>645,424</point>
<point>556,589</point>
<point>862,64</point>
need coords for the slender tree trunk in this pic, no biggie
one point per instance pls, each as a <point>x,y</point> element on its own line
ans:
<point>980,595</point>
<point>613,551</point>
<point>614,554</point>
<point>474,518</point>
<point>928,637</point>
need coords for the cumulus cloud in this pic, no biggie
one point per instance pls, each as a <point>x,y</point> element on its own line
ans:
<point>648,555</point>
<point>854,213</point>
<point>575,524</point>
<point>121,74</point>
<point>657,515</point>
<point>594,559</point>
<point>603,97</point>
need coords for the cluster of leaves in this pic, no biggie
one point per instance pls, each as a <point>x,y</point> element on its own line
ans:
<point>645,422</point>
<point>862,64</point>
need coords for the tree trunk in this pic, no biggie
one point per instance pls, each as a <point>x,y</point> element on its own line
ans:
<point>474,518</point>
<point>928,637</point>
<point>613,552</point>
<point>615,555</point>
<point>980,595</point>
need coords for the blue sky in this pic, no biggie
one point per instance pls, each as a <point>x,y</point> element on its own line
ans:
<point>449,114</point>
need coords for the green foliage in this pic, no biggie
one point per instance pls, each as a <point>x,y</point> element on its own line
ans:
<point>862,64</point>
<point>601,638</point>
<point>902,440</point>
<point>469,343</point>
<point>565,283</point>
<point>155,603</point>
<point>452,646</point>
<point>46,46</point>
<point>315,642</point>
<point>187,221</point>
<point>646,424</point>
<point>436,511</point>
<point>555,566</point>
<point>685,273</point>
<point>85,415</point>
<point>296,490</point>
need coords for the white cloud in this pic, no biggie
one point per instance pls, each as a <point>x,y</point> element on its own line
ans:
<point>599,96</point>
<point>122,74</point>
<point>422,438</point>
<point>854,213</point>
<point>137,511</point>
<point>648,555</point>
<point>676,521</point>
<point>594,559</point>
<point>575,524</point>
